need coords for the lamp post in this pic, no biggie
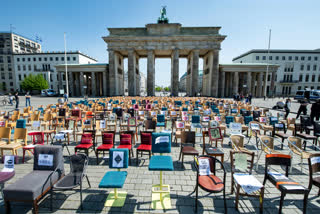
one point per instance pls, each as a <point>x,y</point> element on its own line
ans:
<point>267,73</point>
<point>65,63</point>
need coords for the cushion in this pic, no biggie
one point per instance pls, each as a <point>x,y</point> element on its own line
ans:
<point>58,160</point>
<point>159,124</point>
<point>107,138</point>
<point>125,139</point>
<point>189,150</point>
<point>146,138</point>
<point>105,147</point>
<point>210,182</point>
<point>86,139</point>
<point>163,163</point>
<point>84,146</point>
<point>27,189</point>
<point>5,176</point>
<point>113,179</point>
<point>144,147</point>
<point>124,147</point>
<point>285,183</point>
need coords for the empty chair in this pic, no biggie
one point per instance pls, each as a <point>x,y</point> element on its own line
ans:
<point>87,142</point>
<point>37,139</point>
<point>188,138</point>
<point>145,146</point>
<point>108,139</point>
<point>314,167</point>
<point>8,170</point>
<point>126,143</point>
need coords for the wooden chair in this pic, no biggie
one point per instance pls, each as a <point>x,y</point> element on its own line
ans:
<point>145,146</point>
<point>5,135</point>
<point>188,138</point>
<point>314,167</point>
<point>242,179</point>
<point>295,146</point>
<point>19,140</point>
<point>108,140</point>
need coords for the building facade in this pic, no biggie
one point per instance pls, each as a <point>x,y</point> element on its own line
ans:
<point>10,44</point>
<point>44,63</point>
<point>183,82</point>
<point>298,69</point>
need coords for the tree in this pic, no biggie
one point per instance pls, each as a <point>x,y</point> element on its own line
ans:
<point>166,89</point>
<point>34,82</point>
<point>158,88</point>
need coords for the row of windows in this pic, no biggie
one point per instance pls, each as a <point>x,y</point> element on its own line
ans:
<point>3,76</point>
<point>8,59</point>
<point>44,76</point>
<point>313,78</point>
<point>311,87</point>
<point>296,58</point>
<point>45,67</point>
<point>308,67</point>
<point>45,59</point>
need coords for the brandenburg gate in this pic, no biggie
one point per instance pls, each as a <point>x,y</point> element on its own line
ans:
<point>163,40</point>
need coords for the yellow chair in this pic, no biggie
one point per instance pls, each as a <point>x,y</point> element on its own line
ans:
<point>5,135</point>
<point>19,140</point>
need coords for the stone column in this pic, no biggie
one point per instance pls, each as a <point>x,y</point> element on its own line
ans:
<point>70,80</point>
<point>235,83</point>
<point>131,73</point>
<point>273,77</point>
<point>93,84</point>
<point>222,80</point>
<point>259,85</point>
<point>215,74</point>
<point>150,73</point>
<point>60,81</point>
<point>175,72</point>
<point>189,75</point>
<point>249,77</point>
<point>81,83</point>
<point>105,83</point>
<point>226,94</point>
<point>112,74</point>
<point>253,83</point>
<point>195,73</point>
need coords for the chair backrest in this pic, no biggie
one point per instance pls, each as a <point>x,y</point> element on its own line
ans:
<point>273,120</point>
<point>180,125</point>
<point>206,165</point>
<point>150,124</point>
<point>235,128</point>
<point>237,141</point>
<point>20,134</point>
<point>160,118</point>
<point>188,137</point>
<point>132,122</point>
<point>125,139</point>
<point>48,158</point>
<point>241,161</point>
<point>3,123</point>
<point>78,164</point>
<point>37,137</point>
<point>76,113</point>
<point>161,142</point>
<point>263,120</point>
<point>247,119</point>
<point>229,119</point>
<point>195,119</point>
<point>278,159</point>
<point>5,133</point>
<point>62,112</point>
<point>108,137</point>
<point>21,123</point>
<point>314,163</point>
<point>294,141</point>
<point>279,127</point>
<point>215,133</point>
<point>146,138</point>
<point>267,141</point>
<point>256,114</point>
<point>118,158</point>
<point>316,129</point>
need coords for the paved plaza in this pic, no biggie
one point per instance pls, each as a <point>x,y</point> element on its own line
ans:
<point>182,182</point>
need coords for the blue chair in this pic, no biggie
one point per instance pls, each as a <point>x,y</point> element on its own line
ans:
<point>161,143</point>
<point>164,109</point>
<point>229,119</point>
<point>155,102</point>
<point>161,120</point>
<point>216,110</point>
<point>184,109</point>
<point>41,110</point>
<point>273,120</point>
<point>195,121</point>
<point>133,102</point>
<point>115,179</point>
<point>247,120</point>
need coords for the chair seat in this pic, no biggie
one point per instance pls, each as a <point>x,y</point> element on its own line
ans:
<point>284,183</point>
<point>316,181</point>
<point>31,146</point>
<point>69,181</point>
<point>282,135</point>
<point>11,146</point>
<point>306,136</point>
<point>144,147</point>
<point>105,147</point>
<point>196,125</point>
<point>244,127</point>
<point>84,146</point>
<point>161,163</point>
<point>189,150</point>
<point>303,154</point>
<point>210,183</point>
<point>5,176</point>
<point>113,179</point>
<point>161,124</point>
<point>248,182</point>
<point>124,147</point>
<point>3,142</point>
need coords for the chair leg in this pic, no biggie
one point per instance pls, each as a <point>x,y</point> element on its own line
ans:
<point>24,153</point>
<point>51,198</point>
<point>305,202</point>
<point>81,196</point>
<point>88,181</point>
<point>281,202</point>
<point>97,156</point>
<point>196,198</point>
<point>35,207</point>
<point>7,206</point>
<point>237,197</point>
<point>224,199</point>
<point>137,158</point>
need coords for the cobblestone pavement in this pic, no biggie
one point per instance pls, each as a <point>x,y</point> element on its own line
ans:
<point>182,182</point>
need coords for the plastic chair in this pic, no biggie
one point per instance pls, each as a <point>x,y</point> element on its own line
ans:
<point>283,183</point>
<point>161,143</point>
<point>116,179</point>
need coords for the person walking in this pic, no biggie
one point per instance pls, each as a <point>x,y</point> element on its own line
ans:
<point>10,99</point>
<point>28,97</point>
<point>287,107</point>
<point>17,99</point>
<point>302,108</point>
<point>315,111</point>
<point>65,96</point>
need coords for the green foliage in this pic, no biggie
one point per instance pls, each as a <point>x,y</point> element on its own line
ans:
<point>34,82</point>
<point>166,89</point>
<point>158,88</point>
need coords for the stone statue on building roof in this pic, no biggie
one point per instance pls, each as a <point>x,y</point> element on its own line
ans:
<point>163,18</point>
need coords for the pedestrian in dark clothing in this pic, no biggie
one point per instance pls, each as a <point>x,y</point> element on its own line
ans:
<point>315,111</point>
<point>17,99</point>
<point>250,98</point>
<point>287,107</point>
<point>302,108</point>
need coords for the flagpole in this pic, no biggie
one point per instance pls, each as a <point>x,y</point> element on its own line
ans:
<point>65,63</point>
<point>267,73</point>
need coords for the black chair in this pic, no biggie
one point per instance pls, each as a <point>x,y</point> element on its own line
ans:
<point>256,115</point>
<point>316,131</point>
<point>314,169</point>
<point>283,182</point>
<point>78,167</point>
<point>306,123</point>
<point>279,130</point>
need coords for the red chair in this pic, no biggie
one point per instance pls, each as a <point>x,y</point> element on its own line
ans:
<point>107,143</point>
<point>136,107</point>
<point>145,146</point>
<point>87,142</point>
<point>126,143</point>
<point>148,107</point>
<point>37,139</point>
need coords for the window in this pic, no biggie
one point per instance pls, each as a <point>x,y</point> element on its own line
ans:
<point>290,58</point>
<point>283,58</point>
<point>299,87</point>
<point>68,58</point>
<point>23,59</point>
<point>307,78</point>
<point>19,77</point>
<point>19,68</point>
<point>18,59</point>
<point>51,78</point>
<point>64,77</point>
<point>29,59</point>
<point>34,59</point>
<point>57,58</point>
<point>1,67</point>
<point>9,67</point>
<point>9,59</point>
<point>319,78</point>
<point>24,76</point>
<point>74,58</point>
<point>1,59</point>
<point>40,59</point>
<point>35,67</point>
<point>62,58</point>
<point>51,58</point>
<point>308,67</point>
<point>300,78</point>
<point>11,83</point>
<point>309,58</point>
<point>313,78</point>
<point>24,67</point>
<point>2,76</point>
<point>302,67</point>
<point>57,77</point>
<point>29,67</point>
<point>315,58</point>
<point>270,57</point>
<point>296,58</point>
<point>263,57</point>
<point>45,59</point>
<point>302,58</point>
<point>314,67</point>
<point>10,76</point>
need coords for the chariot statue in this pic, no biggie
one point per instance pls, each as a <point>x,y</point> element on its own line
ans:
<point>163,16</point>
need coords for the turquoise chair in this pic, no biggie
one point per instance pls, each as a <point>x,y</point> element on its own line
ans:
<point>195,122</point>
<point>21,123</point>
<point>118,159</point>
<point>248,119</point>
<point>229,119</point>
<point>161,143</point>
<point>273,120</point>
<point>216,110</point>
<point>161,120</point>
<point>133,102</point>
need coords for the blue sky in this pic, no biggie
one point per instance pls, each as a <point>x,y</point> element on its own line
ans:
<point>246,23</point>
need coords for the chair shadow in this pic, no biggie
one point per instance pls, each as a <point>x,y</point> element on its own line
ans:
<point>298,203</point>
